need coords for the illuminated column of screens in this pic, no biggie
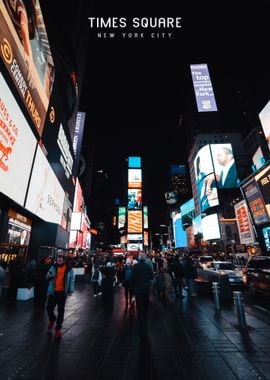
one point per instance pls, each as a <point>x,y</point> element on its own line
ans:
<point>134,206</point>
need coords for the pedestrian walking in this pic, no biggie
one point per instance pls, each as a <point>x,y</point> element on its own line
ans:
<point>127,271</point>
<point>141,280</point>
<point>96,279</point>
<point>61,284</point>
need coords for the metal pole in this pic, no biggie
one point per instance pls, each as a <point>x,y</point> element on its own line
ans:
<point>216,292</point>
<point>239,305</point>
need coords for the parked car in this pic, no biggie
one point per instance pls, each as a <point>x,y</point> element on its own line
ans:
<point>235,274</point>
<point>205,261</point>
<point>257,274</point>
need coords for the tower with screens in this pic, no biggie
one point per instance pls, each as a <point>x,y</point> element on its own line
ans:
<point>135,209</point>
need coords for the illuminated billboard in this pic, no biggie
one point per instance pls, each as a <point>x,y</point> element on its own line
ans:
<point>45,196</point>
<point>244,226</point>
<point>187,213</point>
<point>263,181</point>
<point>134,222</point>
<point>121,217</point>
<point>255,202</point>
<point>134,178</point>
<point>258,159</point>
<point>134,246</point>
<point>264,117</point>
<point>203,89</point>
<point>134,162</point>
<point>25,51</point>
<point>180,235</point>
<point>145,217</point>
<point>17,147</point>
<point>266,236</point>
<point>210,227</point>
<point>224,165</point>
<point>135,237</point>
<point>134,199</point>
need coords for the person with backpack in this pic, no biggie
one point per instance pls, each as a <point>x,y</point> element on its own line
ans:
<point>96,280</point>
<point>127,270</point>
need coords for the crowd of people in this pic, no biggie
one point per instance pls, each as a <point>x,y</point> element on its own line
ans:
<point>140,275</point>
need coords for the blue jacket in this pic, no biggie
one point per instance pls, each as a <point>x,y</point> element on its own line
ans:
<point>69,280</point>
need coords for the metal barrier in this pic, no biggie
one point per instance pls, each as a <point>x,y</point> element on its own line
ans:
<point>216,292</point>
<point>239,305</point>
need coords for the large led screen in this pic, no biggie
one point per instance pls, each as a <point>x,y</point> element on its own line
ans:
<point>25,51</point>
<point>210,227</point>
<point>145,217</point>
<point>134,162</point>
<point>121,217</point>
<point>258,159</point>
<point>266,235</point>
<point>243,223</point>
<point>134,222</point>
<point>17,147</point>
<point>134,199</point>
<point>180,235</point>
<point>203,89</point>
<point>45,195</point>
<point>225,167</point>
<point>187,213</point>
<point>255,202</point>
<point>263,181</point>
<point>205,179</point>
<point>264,116</point>
<point>134,246</point>
<point>135,178</point>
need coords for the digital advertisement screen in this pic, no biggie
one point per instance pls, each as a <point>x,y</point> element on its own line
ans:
<point>203,89</point>
<point>210,227</point>
<point>146,238</point>
<point>203,163</point>
<point>190,237</point>
<point>207,192</point>
<point>145,217</point>
<point>134,246</point>
<point>266,235</point>
<point>45,196</point>
<point>134,178</point>
<point>263,181</point>
<point>180,235</point>
<point>78,203</point>
<point>258,159</point>
<point>25,51</point>
<point>264,117</point>
<point>134,162</point>
<point>17,147</point>
<point>134,199</point>
<point>121,217</point>
<point>255,202</point>
<point>187,212</point>
<point>243,223</point>
<point>224,165</point>
<point>135,237</point>
<point>134,222</point>
<point>197,225</point>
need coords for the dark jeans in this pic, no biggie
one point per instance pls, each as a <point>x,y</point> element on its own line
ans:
<point>142,304</point>
<point>177,285</point>
<point>59,299</point>
<point>96,287</point>
<point>128,294</point>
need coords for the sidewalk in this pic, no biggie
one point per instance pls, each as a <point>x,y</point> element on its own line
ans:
<point>187,340</point>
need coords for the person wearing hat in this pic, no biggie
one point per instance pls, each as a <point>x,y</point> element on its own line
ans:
<point>61,284</point>
<point>141,281</point>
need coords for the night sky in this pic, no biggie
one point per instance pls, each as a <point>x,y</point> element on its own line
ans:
<point>136,90</point>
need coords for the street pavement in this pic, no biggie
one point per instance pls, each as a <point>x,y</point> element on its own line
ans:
<point>187,339</point>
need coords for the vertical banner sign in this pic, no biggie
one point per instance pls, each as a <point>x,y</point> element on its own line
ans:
<point>78,134</point>
<point>243,223</point>
<point>203,89</point>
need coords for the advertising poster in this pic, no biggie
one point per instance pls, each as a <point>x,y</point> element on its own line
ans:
<point>210,227</point>
<point>263,181</point>
<point>134,222</point>
<point>17,147</point>
<point>134,178</point>
<point>255,201</point>
<point>134,199</point>
<point>25,51</point>
<point>45,197</point>
<point>245,230</point>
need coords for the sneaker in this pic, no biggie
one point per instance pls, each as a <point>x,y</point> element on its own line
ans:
<point>50,326</point>
<point>95,295</point>
<point>58,334</point>
<point>99,293</point>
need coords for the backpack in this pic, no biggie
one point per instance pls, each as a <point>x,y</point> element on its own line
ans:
<point>128,274</point>
<point>95,275</point>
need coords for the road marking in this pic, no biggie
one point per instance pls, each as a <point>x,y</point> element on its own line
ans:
<point>261,308</point>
